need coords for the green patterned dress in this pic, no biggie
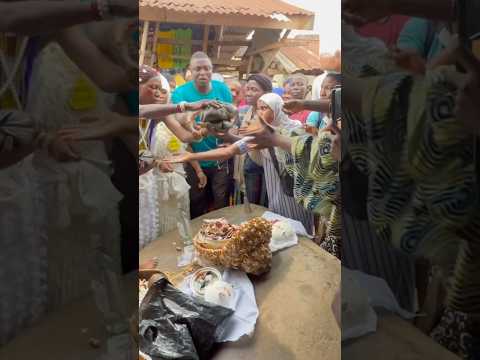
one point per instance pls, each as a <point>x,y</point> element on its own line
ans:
<point>423,189</point>
<point>317,185</point>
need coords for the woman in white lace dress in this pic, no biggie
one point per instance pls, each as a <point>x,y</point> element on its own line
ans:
<point>163,190</point>
<point>56,212</point>
<point>78,199</point>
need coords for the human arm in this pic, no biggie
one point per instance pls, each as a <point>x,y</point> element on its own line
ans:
<point>105,73</point>
<point>202,178</point>
<point>180,131</point>
<point>294,106</point>
<point>220,154</point>
<point>155,111</point>
<point>106,125</point>
<point>265,137</point>
<point>40,17</point>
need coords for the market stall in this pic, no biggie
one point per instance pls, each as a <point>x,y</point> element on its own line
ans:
<point>237,38</point>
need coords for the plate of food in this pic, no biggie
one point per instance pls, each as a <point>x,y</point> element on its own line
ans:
<point>202,278</point>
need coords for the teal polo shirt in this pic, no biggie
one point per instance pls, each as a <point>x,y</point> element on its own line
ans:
<point>189,93</point>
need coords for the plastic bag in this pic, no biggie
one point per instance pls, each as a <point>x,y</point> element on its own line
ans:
<point>174,325</point>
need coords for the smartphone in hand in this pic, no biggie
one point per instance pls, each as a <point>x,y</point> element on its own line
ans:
<point>336,104</point>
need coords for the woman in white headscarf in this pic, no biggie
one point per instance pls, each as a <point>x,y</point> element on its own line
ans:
<point>163,190</point>
<point>270,111</point>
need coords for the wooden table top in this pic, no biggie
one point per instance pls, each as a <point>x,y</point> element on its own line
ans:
<point>294,298</point>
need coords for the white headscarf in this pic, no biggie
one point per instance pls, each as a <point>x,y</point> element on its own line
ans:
<point>280,119</point>
<point>317,86</point>
<point>163,80</point>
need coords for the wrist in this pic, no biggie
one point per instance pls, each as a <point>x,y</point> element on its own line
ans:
<point>187,106</point>
<point>276,139</point>
<point>181,107</point>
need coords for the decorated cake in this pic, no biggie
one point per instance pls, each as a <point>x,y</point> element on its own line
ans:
<point>244,247</point>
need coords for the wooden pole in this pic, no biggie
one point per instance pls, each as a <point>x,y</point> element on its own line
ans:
<point>154,45</point>
<point>285,36</point>
<point>220,38</point>
<point>143,44</point>
<point>269,58</point>
<point>206,31</point>
<point>249,66</point>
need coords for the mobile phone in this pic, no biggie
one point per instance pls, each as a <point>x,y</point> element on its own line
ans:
<point>336,103</point>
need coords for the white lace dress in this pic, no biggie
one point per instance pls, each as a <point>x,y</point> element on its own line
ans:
<point>23,254</point>
<point>78,198</point>
<point>163,197</point>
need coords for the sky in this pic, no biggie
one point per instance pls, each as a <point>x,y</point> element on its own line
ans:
<point>327,22</point>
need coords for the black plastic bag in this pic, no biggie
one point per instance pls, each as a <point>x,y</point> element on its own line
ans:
<point>174,325</point>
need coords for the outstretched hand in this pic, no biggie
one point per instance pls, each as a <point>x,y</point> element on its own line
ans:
<point>202,105</point>
<point>293,106</point>
<point>262,137</point>
<point>178,158</point>
<point>163,166</point>
<point>336,150</point>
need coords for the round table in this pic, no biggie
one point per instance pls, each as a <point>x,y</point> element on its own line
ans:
<point>294,298</point>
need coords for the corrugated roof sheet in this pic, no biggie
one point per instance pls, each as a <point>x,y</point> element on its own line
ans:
<point>302,57</point>
<point>265,8</point>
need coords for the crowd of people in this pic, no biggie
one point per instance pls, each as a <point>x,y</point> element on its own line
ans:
<point>383,158</point>
<point>218,164</point>
<point>390,188</point>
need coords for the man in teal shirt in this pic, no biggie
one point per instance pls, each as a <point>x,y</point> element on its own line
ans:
<point>202,87</point>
